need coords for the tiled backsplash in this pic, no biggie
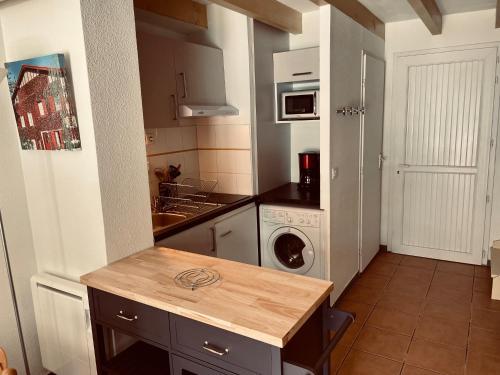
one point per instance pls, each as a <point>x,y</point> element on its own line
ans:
<point>211,152</point>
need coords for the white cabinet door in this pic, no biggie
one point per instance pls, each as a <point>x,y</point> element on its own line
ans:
<point>198,239</point>
<point>200,75</point>
<point>297,65</point>
<point>236,237</point>
<point>158,86</point>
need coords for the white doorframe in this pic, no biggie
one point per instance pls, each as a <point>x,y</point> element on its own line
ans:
<point>392,146</point>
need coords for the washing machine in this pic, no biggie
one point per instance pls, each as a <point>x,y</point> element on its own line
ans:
<point>290,240</point>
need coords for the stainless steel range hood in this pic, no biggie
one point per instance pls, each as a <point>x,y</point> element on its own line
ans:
<point>189,110</point>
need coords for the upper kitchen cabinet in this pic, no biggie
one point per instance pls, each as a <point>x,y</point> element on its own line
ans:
<point>158,86</point>
<point>200,75</point>
<point>297,65</point>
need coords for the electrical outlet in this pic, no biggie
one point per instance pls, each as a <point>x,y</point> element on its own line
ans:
<point>149,138</point>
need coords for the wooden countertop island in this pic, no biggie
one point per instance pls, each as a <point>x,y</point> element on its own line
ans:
<point>262,304</point>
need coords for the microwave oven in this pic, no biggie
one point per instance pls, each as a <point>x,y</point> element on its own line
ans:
<point>300,105</point>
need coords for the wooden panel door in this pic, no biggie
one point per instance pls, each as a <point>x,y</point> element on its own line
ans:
<point>443,114</point>
<point>200,74</point>
<point>372,122</point>
<point>158,86</point>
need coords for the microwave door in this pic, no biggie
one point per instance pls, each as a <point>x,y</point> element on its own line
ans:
<point>298,106</point>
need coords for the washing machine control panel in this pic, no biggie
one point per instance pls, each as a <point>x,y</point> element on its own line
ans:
<point>303,219</point>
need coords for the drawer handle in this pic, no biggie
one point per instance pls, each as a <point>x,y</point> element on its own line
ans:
<point>124,317</point>
<point>226,233</point>
<point>214,349</point>
<point>301,74</point>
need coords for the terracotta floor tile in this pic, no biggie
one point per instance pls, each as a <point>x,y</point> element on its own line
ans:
<point>436,357</point>
<point>362,310</point>
<point>391,320</point>
<point>387,344</point>
<point>393,300</point>
<point>381,267</point>
<point>361,363</point>
<point>483,272</point>
<point>408,286</point>
<point>419,274</point>
<point>484,341</point>
<point>390,257</point>
<point>363,294</point>
<point>442,294</point>
<point>419,262</point>
<point>486,319</point>
<point>482,285</point>
<point>452,311</point>
<point>351,334</point>
<point>443,331</point>
<point>453,282</point>
<point>457,268</point>
<point>482,364</point>
<point>337,357</point>
<point>412,370</point>
<point>373,281</point>
<point>483,300</point>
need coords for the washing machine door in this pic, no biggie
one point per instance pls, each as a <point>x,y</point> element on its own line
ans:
<point>291,250</point>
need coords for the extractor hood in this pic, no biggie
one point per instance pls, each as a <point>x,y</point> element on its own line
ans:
<point>189,110</point>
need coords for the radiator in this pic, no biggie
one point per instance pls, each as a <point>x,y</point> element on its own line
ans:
<point>63,325</point>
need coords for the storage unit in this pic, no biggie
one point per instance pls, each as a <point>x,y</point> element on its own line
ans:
<point>495,270</point>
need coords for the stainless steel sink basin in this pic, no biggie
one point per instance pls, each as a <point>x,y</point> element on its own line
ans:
<point>162,220</point>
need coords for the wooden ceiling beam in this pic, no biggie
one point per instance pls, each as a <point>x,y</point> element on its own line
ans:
<point>429,13</point>
<point>181,10</point>
<point>270,12</point>
<point>497,19</point>
<point>359,13</point>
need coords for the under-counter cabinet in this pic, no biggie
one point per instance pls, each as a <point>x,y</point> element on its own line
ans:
<point>236,326</point>
<point>232,236</point>
<point>173,73</point>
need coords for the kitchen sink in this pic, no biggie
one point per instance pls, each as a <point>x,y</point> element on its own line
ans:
<point>162,220</point>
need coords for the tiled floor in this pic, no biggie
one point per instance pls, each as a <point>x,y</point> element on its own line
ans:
<point>417,316</point>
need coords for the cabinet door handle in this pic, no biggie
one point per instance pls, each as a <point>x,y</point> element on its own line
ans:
<point>214,240</point>
<point>184,86</point>
<point>174,101</point>
<point>121,315</point>
<point>302,74</point>
<point>226,233</point>
<point>214,349</point>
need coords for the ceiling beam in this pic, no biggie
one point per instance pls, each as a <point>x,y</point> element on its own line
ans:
<point>359,13</point>
<point>497,22</point>
<point>270,12</point>
<point>181,10</point>
<point>429,13</point>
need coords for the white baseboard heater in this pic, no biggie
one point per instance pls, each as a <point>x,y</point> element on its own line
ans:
<point>63,325</point>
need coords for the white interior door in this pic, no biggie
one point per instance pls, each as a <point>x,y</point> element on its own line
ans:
<point>372,123</point>
<point>443,111</point>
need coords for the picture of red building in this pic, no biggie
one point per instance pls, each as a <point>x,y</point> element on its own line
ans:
<point>43,105</point>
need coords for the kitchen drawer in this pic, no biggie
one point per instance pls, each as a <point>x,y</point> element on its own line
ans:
<point>132,317</point>
<point>222,348</point>
<point>183,366</point>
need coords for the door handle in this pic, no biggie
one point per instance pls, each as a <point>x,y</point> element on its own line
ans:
<point>226,233</point>
<point>122,316</point>
<point>215,349</point>
<point>302,74</point>
<point>184,85</point>
<point>214,240</point>
<point>381,159</point>
<point>174,101</point>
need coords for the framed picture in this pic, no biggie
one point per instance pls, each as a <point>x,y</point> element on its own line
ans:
<point>43,104</point>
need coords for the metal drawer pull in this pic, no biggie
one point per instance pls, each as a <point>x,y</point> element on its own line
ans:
<point>215,349</point>
<point>124,317</point>
<point>301,74</point>
<point>226,233</point>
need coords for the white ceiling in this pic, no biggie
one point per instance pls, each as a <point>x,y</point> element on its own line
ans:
<point>400,10</point>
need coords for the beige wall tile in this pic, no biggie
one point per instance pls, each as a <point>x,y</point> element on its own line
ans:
<point>208,161</point>
<point>206,136</point>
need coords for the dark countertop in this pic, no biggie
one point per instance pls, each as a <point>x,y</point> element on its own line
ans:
<point>289,194</point>
<point>229,203</point>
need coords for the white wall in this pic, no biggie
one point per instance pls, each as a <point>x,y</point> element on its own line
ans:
<point>113,73</point>
<point>458,29</point>
<point>62,188</point>
<point>20,245</point>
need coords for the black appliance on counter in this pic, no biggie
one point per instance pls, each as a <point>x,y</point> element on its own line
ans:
<point>309,171</point>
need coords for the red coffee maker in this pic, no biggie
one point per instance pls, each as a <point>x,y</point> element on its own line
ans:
<point>309,171</point>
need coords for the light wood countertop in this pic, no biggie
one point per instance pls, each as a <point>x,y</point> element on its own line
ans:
<point>263,304</point>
